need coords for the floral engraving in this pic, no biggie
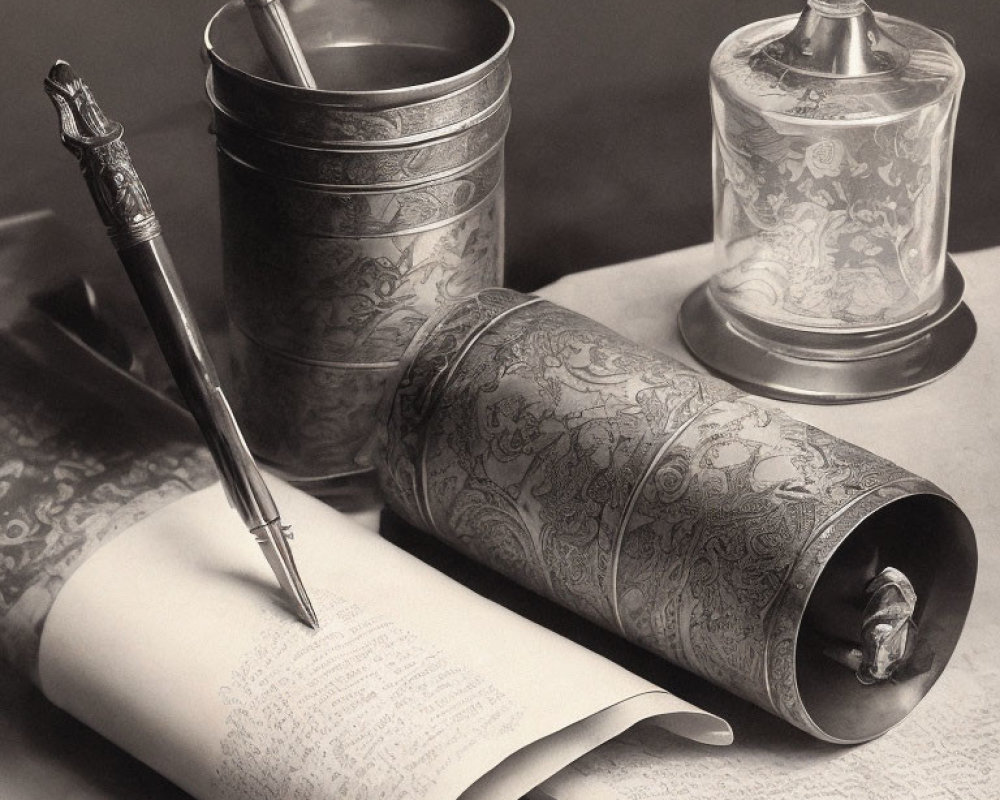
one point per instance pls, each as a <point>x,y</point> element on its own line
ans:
<point>74,472</point>
<point>308,419</point>
<point>253,200</point>
<point>655,501</point>
<point>357,300</point>
<point>389,167</point>
<point>825,225</point>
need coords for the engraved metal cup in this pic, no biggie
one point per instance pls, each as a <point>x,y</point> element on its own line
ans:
<point>352,211</point>
<point>670,508</point>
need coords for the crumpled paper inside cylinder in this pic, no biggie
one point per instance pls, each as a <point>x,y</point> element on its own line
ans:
<point>663,504</point>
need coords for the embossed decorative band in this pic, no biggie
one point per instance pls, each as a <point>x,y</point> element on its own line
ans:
<point>310,420</point>
<point>287,116</point>
<point>367,168</point>
<point>446,378</point>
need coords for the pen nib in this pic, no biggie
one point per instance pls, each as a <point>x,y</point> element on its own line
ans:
<point>273,539</point>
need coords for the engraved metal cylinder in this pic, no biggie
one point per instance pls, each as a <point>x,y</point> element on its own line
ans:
<point>667,506</point>
<point>351,212</point>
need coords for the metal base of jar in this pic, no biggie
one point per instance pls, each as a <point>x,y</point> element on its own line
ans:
<point>845,368</point>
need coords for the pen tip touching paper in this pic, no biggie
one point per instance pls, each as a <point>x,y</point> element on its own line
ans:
<point>310,617</point>
<point>304,608</point>
<point>273,540</point>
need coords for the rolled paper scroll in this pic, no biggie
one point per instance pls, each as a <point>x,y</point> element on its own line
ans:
<point>665,505</point>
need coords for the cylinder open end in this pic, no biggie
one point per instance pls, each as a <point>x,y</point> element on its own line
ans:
<point>885,616</point>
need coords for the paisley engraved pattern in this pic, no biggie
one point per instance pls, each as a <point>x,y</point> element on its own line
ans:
<point>74,472</point>
<point>366,168</point>
<point>310,420</point>
<point>357,300</point>
<point>832,227</point>
<point>404,412</point>
<point>561,418</point>
<point>650,499</point>
<point>344,228</point>
<point>307,121</point>
<point>720,527</point>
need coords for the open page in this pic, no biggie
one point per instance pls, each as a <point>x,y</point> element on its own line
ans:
<point>172,640</point>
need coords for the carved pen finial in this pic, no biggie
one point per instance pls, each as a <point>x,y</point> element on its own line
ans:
<point>96,141</point>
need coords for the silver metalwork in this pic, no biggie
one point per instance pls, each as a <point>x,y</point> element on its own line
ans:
<point>667,506</point>
<point>887,629</point>
<point>838,37</point>
<point>422,64</point>
<point>824,369</point>
<point>278,38</point>
<point>86,131</point>
<point>299,412</point>
<point>271,112</point>
<point>389,167</point>
<point>352,212</point>
<point>96,141</point>
<point>358,300</point>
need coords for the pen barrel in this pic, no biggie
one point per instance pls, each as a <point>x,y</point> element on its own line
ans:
<point>124,206</point>
<point>157,285</point>
<point>276,35</point>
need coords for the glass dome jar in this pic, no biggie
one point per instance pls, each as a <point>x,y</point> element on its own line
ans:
<point>833,137</point>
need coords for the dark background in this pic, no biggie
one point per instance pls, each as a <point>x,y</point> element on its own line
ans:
<point>609,150</point>
<point>608,154</point>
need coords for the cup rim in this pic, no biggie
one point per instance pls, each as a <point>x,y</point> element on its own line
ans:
<point>367,98</point>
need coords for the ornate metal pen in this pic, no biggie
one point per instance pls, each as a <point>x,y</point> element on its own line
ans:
<point>134,229</point>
